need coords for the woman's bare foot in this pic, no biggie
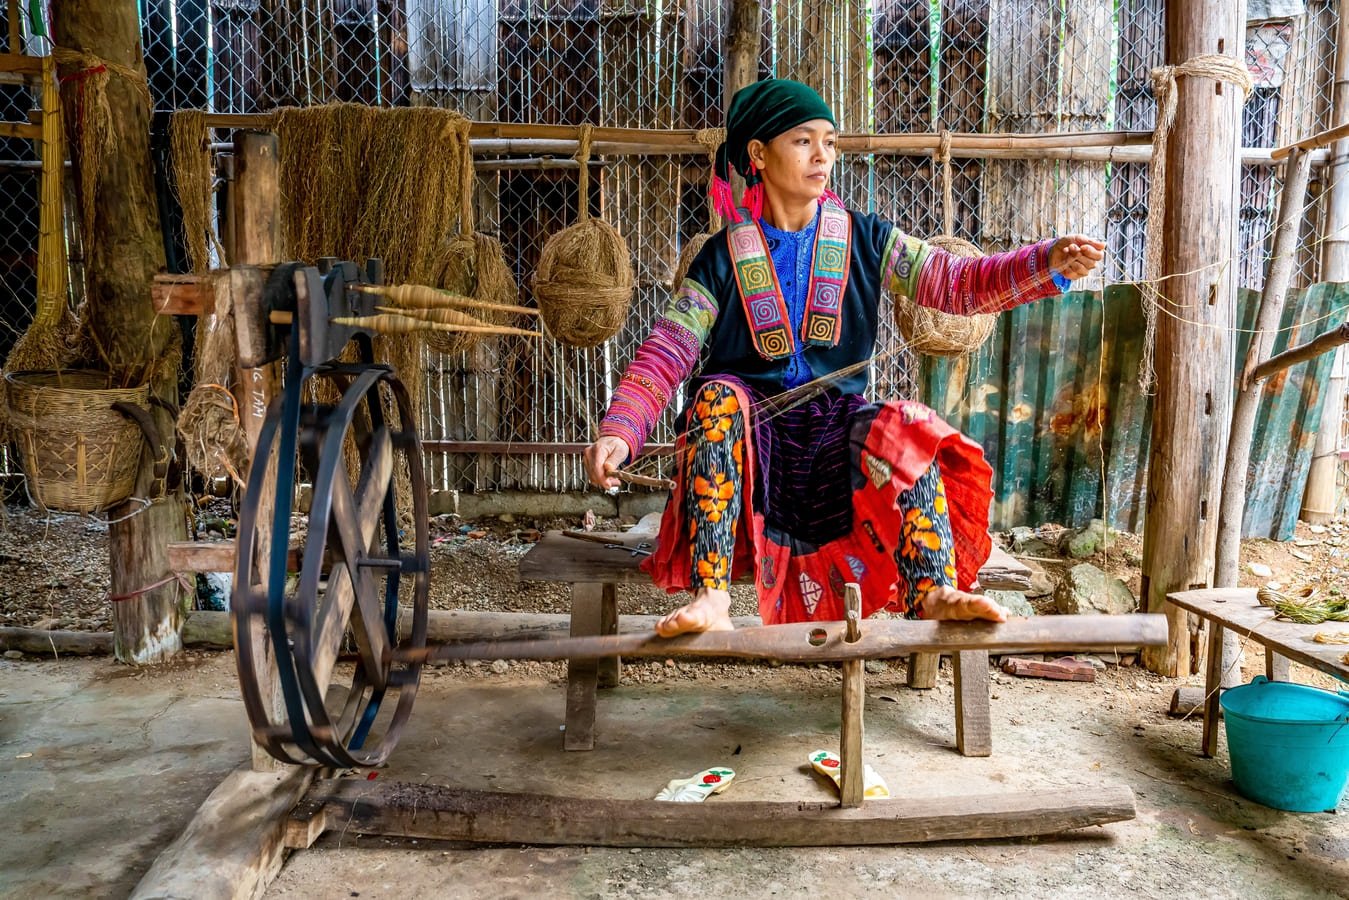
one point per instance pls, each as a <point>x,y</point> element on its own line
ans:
<point>709,611</point>
<point>949,603</point>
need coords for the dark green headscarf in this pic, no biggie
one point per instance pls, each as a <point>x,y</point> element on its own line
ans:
<point>762,111</point>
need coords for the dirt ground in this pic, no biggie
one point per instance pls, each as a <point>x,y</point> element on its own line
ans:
<point>87,746</point>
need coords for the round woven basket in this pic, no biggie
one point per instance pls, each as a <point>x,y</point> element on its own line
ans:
<point>78,453</point>
<point>584,283</point>
<point>936,333</point>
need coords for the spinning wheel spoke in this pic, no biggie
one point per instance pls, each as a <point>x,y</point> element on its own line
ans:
<point>355,523</point>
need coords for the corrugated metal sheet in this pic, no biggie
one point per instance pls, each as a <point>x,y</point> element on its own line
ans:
<point>1053,398</point>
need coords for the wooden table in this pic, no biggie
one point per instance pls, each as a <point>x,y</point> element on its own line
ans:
<point>595,572</point>
<point>1237,609</point>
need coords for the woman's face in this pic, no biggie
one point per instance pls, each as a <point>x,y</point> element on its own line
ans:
<point>795,165</point>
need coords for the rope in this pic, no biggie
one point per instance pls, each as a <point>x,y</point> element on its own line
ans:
<point>1220,68</point>
<point>583,186</point>
<point>167,579</point>
<point>943,157</point>
<point>712,138</point>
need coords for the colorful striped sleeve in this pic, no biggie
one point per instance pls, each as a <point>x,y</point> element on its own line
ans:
<point>929,276</point>
<point>661,364</point>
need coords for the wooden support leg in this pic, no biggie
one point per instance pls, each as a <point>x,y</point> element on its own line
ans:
<point>587,607</point>
<point>923,670</point>
<point>1212,688</point>
<point>611,669</point>
<point>973,734</point>
<point>1276,667</point>
<point>852,780</point>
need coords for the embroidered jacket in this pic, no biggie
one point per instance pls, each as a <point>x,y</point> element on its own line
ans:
<point>729,317</point>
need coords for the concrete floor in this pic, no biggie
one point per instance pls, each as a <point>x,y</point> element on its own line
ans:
<point>120,760</point>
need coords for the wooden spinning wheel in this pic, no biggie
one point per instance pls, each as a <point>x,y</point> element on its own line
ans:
<point>361,556</point>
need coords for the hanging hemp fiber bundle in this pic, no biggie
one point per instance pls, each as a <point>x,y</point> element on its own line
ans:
<point>584,281</point>
<point>472,265</point>
<point>930,331</point>
<point>190,150</point>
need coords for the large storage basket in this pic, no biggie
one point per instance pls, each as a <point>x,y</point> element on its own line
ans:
<point>78,453</point>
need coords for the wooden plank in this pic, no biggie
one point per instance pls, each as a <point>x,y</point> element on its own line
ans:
<point>214,556</point>
<point>823,641</point>
<point>19,64</point>
<point>973,732</point>
<point>923,669</point>
<point>436,812</point>
<point>1066,669</point>
<point>234,845</point>
<point>1212,689</point>
<point>587,602</point>
<point>183,295</point>
<point>852,779</point>
<point>1237,609</point>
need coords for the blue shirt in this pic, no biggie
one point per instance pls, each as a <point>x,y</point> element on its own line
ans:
<point>793,253</point>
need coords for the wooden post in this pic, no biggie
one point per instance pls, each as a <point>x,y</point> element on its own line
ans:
<point>587,618</point>
<point>123,251</point>
<point>744,42</point>
<point>1242,432</point>
<point>1318,502</point>
<point>256,229</point>
<point>1193,368</point>
<point>852,780</point>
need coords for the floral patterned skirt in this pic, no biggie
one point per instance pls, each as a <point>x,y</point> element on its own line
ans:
<point>804,501</point>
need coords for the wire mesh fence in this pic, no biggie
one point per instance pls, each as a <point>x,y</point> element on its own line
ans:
<point>885,66</point>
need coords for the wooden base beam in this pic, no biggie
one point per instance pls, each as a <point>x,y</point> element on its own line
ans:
<point>235,844</point>
<point>436,812</point>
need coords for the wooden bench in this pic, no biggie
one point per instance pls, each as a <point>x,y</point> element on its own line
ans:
<point>1239,610</point>
<point>595,572</point>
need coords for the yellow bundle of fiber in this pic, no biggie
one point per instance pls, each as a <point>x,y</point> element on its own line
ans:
<point>472,265</point>
<point>418,296</point>
<point>936,333</point>
<point>584,282</point>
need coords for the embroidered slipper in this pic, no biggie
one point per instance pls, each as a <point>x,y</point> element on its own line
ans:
<point>698,788</point>
<point>831,767</point>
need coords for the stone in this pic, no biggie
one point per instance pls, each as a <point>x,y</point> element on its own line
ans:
<point>500,666</point>
<point>1260,570</point>
<point>874,667</point>
<point>1027,542</point>
<point>1086,590</point>
<point>13,654</point>
<point>1041,584</point>
<point>1014,602</point>
<point>1086,540</point>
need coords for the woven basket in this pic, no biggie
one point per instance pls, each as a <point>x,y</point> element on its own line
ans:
<point>936,333</point>
<point>78,453</point>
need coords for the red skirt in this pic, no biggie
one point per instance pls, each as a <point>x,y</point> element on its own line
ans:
<point>890,445</point>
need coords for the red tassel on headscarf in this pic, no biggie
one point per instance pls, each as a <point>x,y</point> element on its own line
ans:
<point>752,200</point>
<point>723,199</point>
